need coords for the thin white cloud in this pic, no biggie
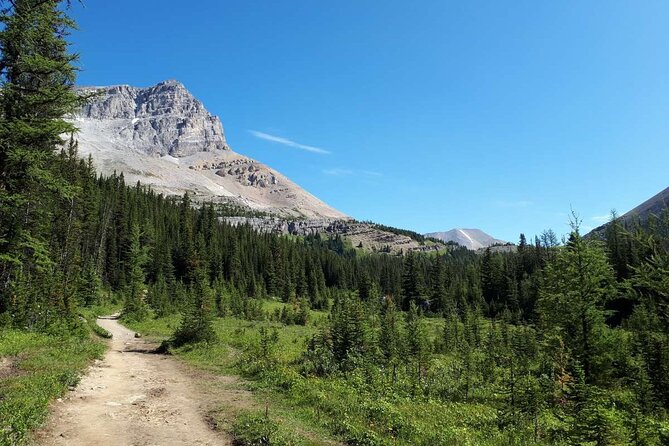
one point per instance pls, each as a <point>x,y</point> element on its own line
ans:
<point>601,218</point>
<point>338,172</point>
<point>513,204</point>
<point>288,142</point>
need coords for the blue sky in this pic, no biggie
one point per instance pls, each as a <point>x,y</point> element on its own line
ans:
<point>425,115</point>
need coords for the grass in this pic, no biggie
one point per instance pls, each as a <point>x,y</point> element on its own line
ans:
<point>286,423</point>
<point>35,369</point>
<point>353,409</point>
<point>90,314</point>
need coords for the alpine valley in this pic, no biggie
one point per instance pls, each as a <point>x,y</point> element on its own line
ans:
<point>159,288</point>
<point>163,137</point>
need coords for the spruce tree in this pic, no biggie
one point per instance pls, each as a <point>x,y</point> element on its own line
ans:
<point>439,299</point>
<point>412,283</point>
<point>417,344</point>
<point>390,338</point>
<point>36,79</point>
<point>136,292</point>
<point>348,329</point>
<point>197,323</point>
<point>578,283</point>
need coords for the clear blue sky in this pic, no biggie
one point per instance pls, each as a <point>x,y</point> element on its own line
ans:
<point>434,114</point>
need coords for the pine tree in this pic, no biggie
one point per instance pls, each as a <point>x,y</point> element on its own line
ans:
<point>439,299</point>
<point>578,283</point>
<point>412,283</point>
<point>390,338</point>
<point>36,77</point>
<point>451,336</point>
<point>90,286</point>
<point>197,323</point>
<point>135,296</point>
<point>348,329</point>
<point>417,344</point>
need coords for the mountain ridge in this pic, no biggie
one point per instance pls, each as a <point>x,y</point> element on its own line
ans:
<point>473,239</point>
<point>164,137</point>
<point>654,206</point>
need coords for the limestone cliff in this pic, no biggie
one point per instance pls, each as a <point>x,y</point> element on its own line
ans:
<point>164,137</point>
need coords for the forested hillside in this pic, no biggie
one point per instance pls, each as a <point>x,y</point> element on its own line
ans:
<point>562,342</point>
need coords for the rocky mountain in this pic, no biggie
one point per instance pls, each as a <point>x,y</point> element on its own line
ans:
<point>164,137</point>
<point>653,206</point>
<point>362,235</point>
<point>470,238</point>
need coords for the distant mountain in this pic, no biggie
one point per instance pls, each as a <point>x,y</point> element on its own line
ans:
<point>470,238</point>
<point>164,137</point>
<point>653,206</point>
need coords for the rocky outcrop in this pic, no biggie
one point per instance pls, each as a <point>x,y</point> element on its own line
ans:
<point>360,235</point>
<point>165,119</point>
<point>163,137</point>
<point>246,171</point>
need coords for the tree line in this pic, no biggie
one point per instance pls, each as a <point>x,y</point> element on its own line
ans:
<point>568,339</point>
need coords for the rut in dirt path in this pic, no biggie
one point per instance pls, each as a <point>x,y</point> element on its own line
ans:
<point>133,398</point>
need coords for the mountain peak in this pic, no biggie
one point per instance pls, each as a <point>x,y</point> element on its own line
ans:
<point>654,206</point>
<point>470,238</point>
<point>165,119</point>
<point>164,137</point>
<point>171,82</point>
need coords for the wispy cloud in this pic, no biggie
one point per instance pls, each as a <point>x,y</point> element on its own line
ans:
<point>601,218</point>
<point>288,142</point>
<point>340,172</point>
<point>336,172</point>
<point>513,204</point>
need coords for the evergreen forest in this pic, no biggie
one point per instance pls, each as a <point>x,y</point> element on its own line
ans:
<point>558,342</point>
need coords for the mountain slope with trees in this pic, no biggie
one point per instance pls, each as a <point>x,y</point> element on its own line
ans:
<point>555,343</point>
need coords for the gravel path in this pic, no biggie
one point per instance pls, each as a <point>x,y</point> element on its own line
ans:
<point>132,397</point>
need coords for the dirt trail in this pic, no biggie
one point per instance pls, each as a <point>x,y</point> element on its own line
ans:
<point>133,398</point>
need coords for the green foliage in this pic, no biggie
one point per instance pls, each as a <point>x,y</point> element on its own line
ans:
<point>38,368</point>
<point>546,345</point>
<point>578,283</point>
<point>258,429</point>
<point>37,79</point>
<point>135,296</point>
<point>295,313</point>
<point>196,325</point>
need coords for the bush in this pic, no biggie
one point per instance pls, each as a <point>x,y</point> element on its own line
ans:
<point>254,429</point>
<point>257,429</point>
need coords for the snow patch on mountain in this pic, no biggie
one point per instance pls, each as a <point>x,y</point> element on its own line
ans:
<point>470,238</point>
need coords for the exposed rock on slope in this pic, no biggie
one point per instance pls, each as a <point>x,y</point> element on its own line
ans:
<point>654,206</point>
<point>164,137</point>
<point>470,238</point>
<point>164,120</point>
<point>363,235</point>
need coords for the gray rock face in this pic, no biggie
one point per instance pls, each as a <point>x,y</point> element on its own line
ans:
<point>360,234</point>
<point>163,137</point>
<point>165,119</point>
<point>470,238</point>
